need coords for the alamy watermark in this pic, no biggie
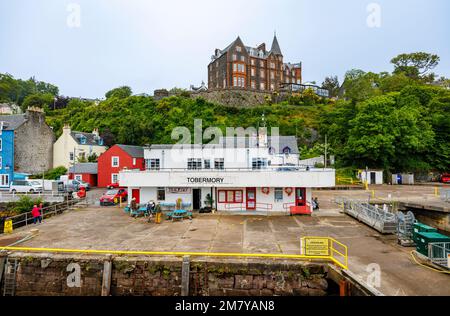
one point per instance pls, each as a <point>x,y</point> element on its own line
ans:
<point>74,18</point>
<point>374,18</point>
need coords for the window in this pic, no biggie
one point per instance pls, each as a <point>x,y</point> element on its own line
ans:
<point>234,57</point>
<point>78,177</point>
<point>262,86</point>
<point>71,156</point>
<point>194,164</point>
<point>253,62</point>
<point>134,161</point>
<point>82,140</point>
<point>114,178</point>
<point>286,150</point>
<point>219,164</point>
<point>272,65</point>
<point>261,64</point>
<point>259,163</point>
<point>253,72</point>
<point>238,48</point>
<point>207,164</point>
<point>238,67</point>
<point>4,180</point>
<point>152,164</point>
<point>0,144</point>
<point>263,74</point>
<point>253,85</point>
<point>1,163</point>
<point>243,58</point>
<point>100,141</point>
<point>278,194</point>
<point>115,161</point>
<point>272,75</point>
<point>230,196</point>
<point>272,86</point>
<point>161,194</point>
<point>238,81</point>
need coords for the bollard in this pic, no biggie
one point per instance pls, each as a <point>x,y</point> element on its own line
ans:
<point>107,271</point>
<point>185,271</point>
<point>436,191</point>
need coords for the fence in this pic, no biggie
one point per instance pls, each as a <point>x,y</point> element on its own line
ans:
<point>380,219</point>
<point>439,252</point>
<point>25,219</point>
<point>49,197</point>
<point>445,195</point>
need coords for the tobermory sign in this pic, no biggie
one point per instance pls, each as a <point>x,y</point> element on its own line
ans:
<point>203,180</point>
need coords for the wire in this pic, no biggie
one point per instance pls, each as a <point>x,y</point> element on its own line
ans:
<point>425,266</point>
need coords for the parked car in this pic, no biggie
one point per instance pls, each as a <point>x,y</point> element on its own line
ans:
<point>25,186</point>
<point>84,184</point>
<point>112,197</point>
<point>445,178</point>
<point>75,185</point>
<point>113,185</point>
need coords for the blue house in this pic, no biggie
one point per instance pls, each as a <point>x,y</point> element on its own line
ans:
<point>26,143</point>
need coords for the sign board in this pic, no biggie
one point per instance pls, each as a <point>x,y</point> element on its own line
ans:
<point>179,190</point>
<point>8,228</point>
<point>315,246</point>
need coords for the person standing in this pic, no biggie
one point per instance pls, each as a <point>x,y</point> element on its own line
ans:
<point>36,212</point>
<point>158,212</point>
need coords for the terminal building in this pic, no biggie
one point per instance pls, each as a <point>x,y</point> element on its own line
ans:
<point>238,174</point>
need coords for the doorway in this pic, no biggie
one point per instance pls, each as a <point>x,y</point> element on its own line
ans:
<point>300,197</point>
<point>373,178</point>
<point>251,199</point>
<point>136,194</point>
<point>196,199</point>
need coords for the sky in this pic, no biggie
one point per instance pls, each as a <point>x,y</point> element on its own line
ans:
<point>87,47</point>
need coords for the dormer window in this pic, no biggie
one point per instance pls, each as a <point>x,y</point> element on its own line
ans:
<point>286,150</point>
<point>100,141</point>
<point>271,150</point>
<point>82,140</point>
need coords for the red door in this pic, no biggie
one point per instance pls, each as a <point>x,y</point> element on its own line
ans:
<point>136,194</point>
<point>251,199</point>
<point>300,197</point>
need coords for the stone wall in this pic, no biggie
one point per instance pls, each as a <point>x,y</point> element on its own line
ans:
<point>33,144</point>
<point>47,274</point>
<point>237,98</point>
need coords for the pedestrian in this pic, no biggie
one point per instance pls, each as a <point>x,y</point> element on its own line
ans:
<point>36,214</point>
<point>316,202</point>
<point>158,214</point>
<point>133,207</point>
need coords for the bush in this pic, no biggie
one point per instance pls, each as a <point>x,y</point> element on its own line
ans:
<point>52,174</point>
<point>25,204</point>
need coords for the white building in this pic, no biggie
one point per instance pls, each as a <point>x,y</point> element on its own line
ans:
<point>240,174</point>
<point>371,176</point>
<point>72,146</point>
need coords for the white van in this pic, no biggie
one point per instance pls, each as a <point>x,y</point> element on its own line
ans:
<point>25,186</point>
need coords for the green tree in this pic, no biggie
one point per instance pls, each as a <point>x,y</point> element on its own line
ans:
<point>359,85</point>
<point>38,100</point>
<point>121,93</point>
<point>415,65</point>
<point>332,85</point>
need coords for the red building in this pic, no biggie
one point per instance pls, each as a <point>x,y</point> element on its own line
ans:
<point>115,159</point>
<point>86,172</point>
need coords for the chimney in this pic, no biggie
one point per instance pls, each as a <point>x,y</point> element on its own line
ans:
<point>262,47</point>
<point>66,129</point>
<point>217,52</point>
<point>35,114</point>
<point>95,132</point>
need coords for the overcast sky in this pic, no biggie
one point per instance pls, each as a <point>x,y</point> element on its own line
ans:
<point>162,44</point>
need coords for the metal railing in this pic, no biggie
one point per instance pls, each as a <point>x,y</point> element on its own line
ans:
<point>379,219</point>
<point>26,219</point>
<point>281,168</point>
<point>439,252</point>
<point>243,207</point>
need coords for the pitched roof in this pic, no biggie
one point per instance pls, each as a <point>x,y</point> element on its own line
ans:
<point>87,167</point>
<point>90,138</point>
<point>12,122</point>
<point>133,151</point>
<point>275,47</point>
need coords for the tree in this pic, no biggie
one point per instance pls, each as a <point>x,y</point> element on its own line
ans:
<point>92,158</point>
<point>415,65</point>
<point>121,93</point>
<point>38,100</point>
<point>332,85</point>
<point>359,85</point>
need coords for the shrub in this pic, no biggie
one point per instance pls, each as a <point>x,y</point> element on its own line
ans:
<point>25,204</point>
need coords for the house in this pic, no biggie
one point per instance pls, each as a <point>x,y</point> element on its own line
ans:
<point>251,68</point>
<point>86,172</point>
<point>243,174</point>
<point>72,146</point>
<point>26,143</point>
<point>117,158</point>
<point>372,176</point>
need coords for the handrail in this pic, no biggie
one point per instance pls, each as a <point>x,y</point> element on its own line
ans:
<point>266,169</point>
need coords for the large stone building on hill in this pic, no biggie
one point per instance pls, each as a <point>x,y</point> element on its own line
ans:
<point>243,67</point>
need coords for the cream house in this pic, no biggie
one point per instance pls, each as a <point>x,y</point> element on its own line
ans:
<point>72,146</point>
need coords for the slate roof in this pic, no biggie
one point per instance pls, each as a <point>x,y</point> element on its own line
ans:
<point>275,47</point>
<point>133,151</point>
<point>90,138</point>
<point>12,122</point>
<point>87,167</point>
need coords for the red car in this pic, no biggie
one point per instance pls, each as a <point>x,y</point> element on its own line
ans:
<point>445,178</point>
<point>113,185</point>
<point>112,197</point>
